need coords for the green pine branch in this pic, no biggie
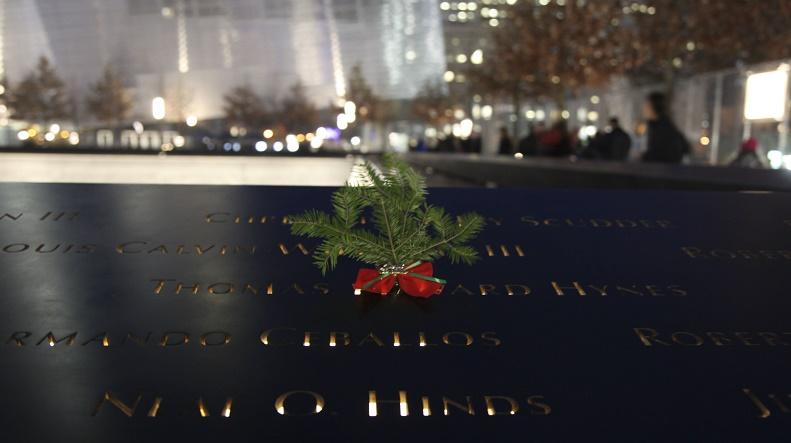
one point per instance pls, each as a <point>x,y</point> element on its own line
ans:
<point>407,228</point>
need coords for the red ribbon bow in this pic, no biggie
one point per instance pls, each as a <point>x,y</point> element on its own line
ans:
<point>416,280</point>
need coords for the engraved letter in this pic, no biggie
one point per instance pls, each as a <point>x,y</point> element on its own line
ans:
<point>280,403</point>
<point>648,336</point>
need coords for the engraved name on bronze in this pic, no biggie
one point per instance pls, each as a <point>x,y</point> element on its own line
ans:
<point>259,219</point>
<point>596,223</point>
<point>571,288</point>
<point>133,248</point>
<point>149,248</point>
<point>485,250</point>
<point>268,338</point>
<point>395,339</point>
<point>768,404</point>
<point>650,337</point>
<point>699,253</point>
<point>400,403</point>
<point>48,216</point>
<point>48,248</point>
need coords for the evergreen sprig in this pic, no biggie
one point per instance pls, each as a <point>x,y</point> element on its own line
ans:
<point>407,228</point>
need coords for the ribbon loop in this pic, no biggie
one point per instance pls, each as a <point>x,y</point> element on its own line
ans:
<point>416,280</point>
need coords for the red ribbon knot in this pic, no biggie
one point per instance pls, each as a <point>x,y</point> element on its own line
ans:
<point>416,280</point>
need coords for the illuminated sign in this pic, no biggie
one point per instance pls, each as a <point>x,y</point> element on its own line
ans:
<point>766,96</point>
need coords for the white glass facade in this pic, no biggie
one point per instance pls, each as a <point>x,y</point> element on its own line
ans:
<point>192,51</point>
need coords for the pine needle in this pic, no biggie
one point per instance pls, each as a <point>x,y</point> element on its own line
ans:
<point>407,228</point>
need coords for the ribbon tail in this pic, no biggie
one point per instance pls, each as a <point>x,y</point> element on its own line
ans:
<point>419,285</point>
<point>370,280</point>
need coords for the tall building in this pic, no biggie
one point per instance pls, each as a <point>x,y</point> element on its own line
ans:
<point>467,29</point>
<point>192,51</point>
<point>466,26</point>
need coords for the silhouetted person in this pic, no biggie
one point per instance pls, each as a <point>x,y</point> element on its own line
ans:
<point>616,143</point>
<point>529,144</point>
<point>666,144</point>
<point>595,147</point>
<point>475,143</point>
<point>447,144</point>
<point>748,157</point>
<point>557,142</point>
<point>506,146</point>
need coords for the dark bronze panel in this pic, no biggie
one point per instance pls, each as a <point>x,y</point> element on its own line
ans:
<point>683,332</point>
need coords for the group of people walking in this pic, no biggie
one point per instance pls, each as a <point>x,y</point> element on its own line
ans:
<point>664,142</point>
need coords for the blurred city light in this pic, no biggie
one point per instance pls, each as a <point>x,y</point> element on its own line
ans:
<point>342,122</point>
<point>455,93</point>
<point>766,96</point>
<point>350,110</point>
<point>587,132</point>
<point>398,141</point>
<point>477,57</point>
<point>465,128</point>
<point>775,158</point>
<point>158,108</point>
<point>292,144</point>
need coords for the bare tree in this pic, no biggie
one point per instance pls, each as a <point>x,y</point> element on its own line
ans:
<point>243,107</point>
<point>549,51</point>
<point>677,37</point>
<point>40,96</point>
<point>433,104</point>
<point>553,49</point>
<point>370,107</point>
<point>108,100</point>
<point>297,112</point>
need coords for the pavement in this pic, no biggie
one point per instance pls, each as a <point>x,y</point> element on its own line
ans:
<point>151,169</point>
